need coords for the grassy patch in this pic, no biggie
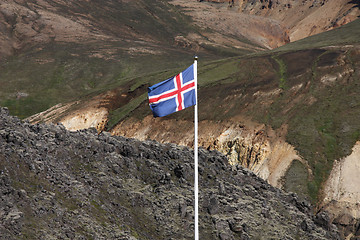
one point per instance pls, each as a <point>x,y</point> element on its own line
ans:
<point>218,71</point>
<point>282,72</point>
<point>296,179</point>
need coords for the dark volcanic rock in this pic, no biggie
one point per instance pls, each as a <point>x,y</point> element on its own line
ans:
<point>56,184</point>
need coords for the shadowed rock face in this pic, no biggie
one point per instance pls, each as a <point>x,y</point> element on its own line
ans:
<point>61,184</point>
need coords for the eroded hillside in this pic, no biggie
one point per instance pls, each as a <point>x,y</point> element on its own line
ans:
<point>265,32</point>
<point>301,18</point>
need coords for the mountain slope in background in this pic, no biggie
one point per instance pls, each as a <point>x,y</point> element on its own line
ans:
<point>52,52</point>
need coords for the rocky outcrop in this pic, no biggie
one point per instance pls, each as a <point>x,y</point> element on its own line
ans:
<point>268,157</point>
<point>245,143</point>
<point>249,146</point>
<point>78,115</point>
<point>73,185</point>
<point>341,198</point>
<point>88,117</point>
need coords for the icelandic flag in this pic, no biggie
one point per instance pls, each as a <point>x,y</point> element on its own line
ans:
<point>173,94</point>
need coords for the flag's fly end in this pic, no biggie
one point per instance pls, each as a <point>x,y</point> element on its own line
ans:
<point>173,94</point>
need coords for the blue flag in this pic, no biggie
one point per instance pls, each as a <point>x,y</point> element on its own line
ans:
<point>173,94</point>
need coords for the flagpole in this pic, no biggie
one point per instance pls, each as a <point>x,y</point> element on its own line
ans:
<point>196,188</point>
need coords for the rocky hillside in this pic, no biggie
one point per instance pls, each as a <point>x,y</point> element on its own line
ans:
<point>75,185</point>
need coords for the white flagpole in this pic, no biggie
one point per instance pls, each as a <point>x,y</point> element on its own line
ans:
<point>196,188</point>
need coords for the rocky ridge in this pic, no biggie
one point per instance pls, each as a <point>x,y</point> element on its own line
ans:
<point>82,185</point>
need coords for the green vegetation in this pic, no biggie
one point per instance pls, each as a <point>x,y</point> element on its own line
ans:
<point>218,71</point>
<point>296,179</point>
<point>65,79</point>
<point>282,72</point>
